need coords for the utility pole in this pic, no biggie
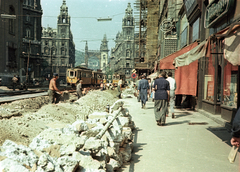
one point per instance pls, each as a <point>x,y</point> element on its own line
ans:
<point>51,62</point>
<point>29,49</point>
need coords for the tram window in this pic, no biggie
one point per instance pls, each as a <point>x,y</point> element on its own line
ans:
<point>118,77</point>
<point>83,74</point>
<point>89,75</point>
<point>71,73</point>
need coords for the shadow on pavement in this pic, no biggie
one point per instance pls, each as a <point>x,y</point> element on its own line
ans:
<point>182,114</point>
<point>222,133</point>
<point>135,157</point>
<point>176,123</point>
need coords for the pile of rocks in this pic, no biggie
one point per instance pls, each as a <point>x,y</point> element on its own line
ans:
<point>75,147</point>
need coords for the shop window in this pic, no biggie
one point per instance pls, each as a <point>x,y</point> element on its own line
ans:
<point>230,85</point>
<point>209,79</point>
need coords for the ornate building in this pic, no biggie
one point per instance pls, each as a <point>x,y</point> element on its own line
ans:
<point>31,42</point>
<point>95,59</point>
<point>58,47</point>
<point>122,55</point>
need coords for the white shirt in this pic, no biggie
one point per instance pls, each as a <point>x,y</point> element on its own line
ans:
<point>120,82</point>
<point>172,83</point>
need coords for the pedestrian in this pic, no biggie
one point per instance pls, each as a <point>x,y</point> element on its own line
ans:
<point>79,89</point>
<point>54,92</point>
<point>0,80</point>
<point>149,90</point>
<point>172,84</point>
<point>161,87</point>
<point>143,87</point>
<point>119,88</point>
<point>14,82</point>
<point>235,141</point>
<point>137,83</point>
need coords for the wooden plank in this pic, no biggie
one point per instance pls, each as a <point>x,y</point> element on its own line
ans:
<point>232,154</point>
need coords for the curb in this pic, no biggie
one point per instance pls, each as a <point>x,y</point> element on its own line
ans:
<point>216,118</point>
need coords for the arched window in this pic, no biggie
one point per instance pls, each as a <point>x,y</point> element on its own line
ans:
<point>64,20</point>
<point>104,57</point>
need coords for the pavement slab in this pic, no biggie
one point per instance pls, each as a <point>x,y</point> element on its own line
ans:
<point>178,146</point>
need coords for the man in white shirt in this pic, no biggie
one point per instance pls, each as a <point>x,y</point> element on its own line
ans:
<point>172,84</point>
<point>119,88</point>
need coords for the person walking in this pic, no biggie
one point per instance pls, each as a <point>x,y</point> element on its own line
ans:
<point>14,80</point>
<point>161,87</point>
<point>54,97</point>
<point>172,84</point>
<point>137,84</point>
<point>143,87</point>
<point>153,91</point>
<point>119,88</point>
<point>79,89</point>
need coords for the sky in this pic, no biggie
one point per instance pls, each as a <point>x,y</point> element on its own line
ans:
<point>84,24</point>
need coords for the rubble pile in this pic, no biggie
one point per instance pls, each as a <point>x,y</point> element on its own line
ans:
<point>128,93</point>
<point>20,124</point>
<point>75,147</point>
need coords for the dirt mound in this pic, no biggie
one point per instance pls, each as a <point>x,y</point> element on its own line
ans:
<point>36,114</point>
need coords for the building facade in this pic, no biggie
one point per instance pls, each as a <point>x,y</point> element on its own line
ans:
<point>31,58</point>
<point>58,48</point>
<point>123,54</point>
<point>10,42</point>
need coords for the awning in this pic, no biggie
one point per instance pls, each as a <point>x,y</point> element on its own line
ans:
<point>167,62</point>
<point>153,75</point>
<point>192,55</point>
<point>232,47</point>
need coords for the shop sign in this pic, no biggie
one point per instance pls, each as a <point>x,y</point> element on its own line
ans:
<point>190,6</point>
<point>216,10</point>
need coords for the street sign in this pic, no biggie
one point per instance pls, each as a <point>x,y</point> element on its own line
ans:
<point>134,75</point>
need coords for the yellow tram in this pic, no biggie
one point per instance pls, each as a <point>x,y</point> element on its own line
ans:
<point>117,77</point>
<point>84,74</point>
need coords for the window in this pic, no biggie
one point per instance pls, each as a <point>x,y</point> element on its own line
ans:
<point>195,30</point>
<point>62,61</point>
<point>104,57</point>
<point>71,73</point>
<point>184,37</point>
<point>28,33</point>
<point>209,79</point>
<point>28,18</point>
<point>104,64</point>
<point>127,72</point>
<point>230,85</point>
<point>11,21</point>
<point>62,51</point>
<point>46,42</point>
<point>64,21</point>
<point>35,29</point>
<point>127,65</point>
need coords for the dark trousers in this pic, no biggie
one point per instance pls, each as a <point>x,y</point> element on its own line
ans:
<point>14,86</point>
<point>160,109</point>
<point>143,96</point>
<point>54,97</point>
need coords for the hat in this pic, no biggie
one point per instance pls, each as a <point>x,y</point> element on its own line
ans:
<point>55,74</point>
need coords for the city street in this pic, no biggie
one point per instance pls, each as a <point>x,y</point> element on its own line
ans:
<point>178,146</point>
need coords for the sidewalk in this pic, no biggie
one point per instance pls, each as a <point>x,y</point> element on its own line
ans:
<point>178,146</point>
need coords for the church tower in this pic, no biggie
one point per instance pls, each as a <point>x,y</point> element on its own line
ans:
<point>128,23</point>
<point>86,54</point>
<point>104,53</point>
<point>64,22</point>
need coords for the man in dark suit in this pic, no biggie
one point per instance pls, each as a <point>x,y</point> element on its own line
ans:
<point>143,86</point>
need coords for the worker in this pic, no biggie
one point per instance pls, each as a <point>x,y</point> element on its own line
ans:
<point>53,92</point>
<point>79,89</point>
<point>119,88</point>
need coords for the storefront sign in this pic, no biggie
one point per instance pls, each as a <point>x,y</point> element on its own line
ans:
<point>216,10</point>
